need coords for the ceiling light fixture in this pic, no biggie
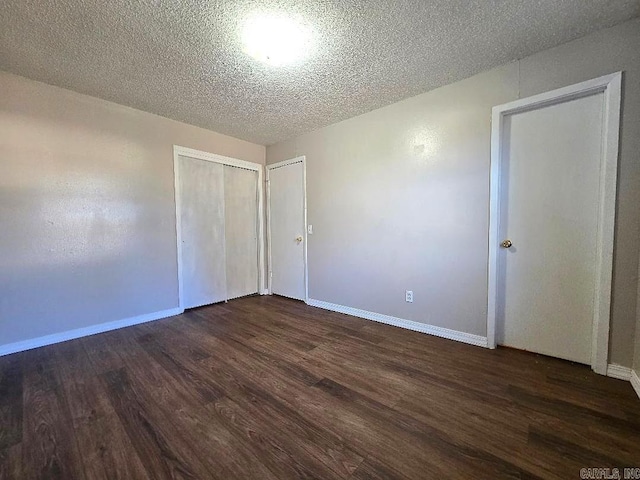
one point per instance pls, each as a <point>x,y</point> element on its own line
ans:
<point>276,39</point>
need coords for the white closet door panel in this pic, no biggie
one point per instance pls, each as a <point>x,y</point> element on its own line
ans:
<point>241,231</point>
<point>202,232</point>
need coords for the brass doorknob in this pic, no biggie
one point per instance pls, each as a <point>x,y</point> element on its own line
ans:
<point>506,244</point>
<point>299,238</point>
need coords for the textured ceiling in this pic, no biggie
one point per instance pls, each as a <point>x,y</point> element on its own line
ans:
<point>183,58</point>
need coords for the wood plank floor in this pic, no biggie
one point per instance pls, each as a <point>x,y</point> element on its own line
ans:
<point>269,388</point>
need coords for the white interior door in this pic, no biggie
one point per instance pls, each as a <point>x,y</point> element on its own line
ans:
<point>549,213</point>
<point>241,231</point>
<point>287,230</point>
<point>202,231</point>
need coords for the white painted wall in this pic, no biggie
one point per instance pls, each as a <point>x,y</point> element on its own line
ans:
<point>87,213</point>
<point>398,197</point>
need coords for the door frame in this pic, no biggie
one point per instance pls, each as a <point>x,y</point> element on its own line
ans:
<point>301,159</point>
<point>611,87</point>
<point>232,162</point>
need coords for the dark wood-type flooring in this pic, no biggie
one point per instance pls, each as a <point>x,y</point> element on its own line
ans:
<point>268,388</point>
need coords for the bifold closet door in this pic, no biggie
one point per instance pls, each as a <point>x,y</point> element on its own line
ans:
<point>202,227</point>
<point>241,231</point>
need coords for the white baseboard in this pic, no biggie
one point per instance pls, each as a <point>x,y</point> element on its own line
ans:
<point>264,292</point>
<point>635,382</point>
<point>85,331</point>
<point>619,372</point>
<point>402,323</point>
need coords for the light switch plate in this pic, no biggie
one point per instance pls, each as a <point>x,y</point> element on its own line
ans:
<point>310,229</point>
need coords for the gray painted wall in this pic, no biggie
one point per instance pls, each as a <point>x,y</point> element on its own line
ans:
<point>398,197</point>
<point>87,210</point>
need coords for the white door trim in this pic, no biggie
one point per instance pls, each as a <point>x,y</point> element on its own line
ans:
<point>610,86</point>
<point>302,159</point>
<point>233,162</point>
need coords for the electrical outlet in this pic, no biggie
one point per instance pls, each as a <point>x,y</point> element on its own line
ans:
<point>310,229</point>
<point>408,296</point>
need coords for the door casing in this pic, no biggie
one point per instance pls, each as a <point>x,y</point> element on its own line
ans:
<point>611,87</point>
